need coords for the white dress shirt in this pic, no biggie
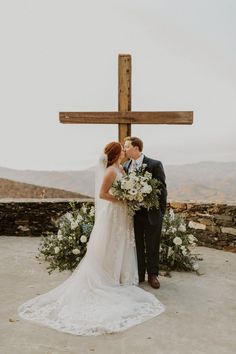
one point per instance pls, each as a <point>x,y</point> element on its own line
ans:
<point>136,163</point>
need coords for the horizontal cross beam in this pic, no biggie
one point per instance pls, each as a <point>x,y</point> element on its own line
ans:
<point>183,117</point>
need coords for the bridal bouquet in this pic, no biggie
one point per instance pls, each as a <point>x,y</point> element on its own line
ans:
<point>138,189</point>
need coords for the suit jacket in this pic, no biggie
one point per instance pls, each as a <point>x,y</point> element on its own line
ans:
<point>155,167</point>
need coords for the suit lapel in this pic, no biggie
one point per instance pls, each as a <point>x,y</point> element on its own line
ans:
<point>145,161</point>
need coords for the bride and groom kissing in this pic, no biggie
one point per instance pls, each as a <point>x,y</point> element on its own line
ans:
<point>147,224</point>
<point>102,294</point>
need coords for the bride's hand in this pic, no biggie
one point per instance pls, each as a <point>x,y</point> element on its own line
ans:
<point>118,201</point>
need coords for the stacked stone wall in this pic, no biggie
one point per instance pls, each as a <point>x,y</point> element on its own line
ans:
<point>213,224</point>
<point>25,217</point>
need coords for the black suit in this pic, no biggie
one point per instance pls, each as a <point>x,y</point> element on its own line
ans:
<point>148,224</point>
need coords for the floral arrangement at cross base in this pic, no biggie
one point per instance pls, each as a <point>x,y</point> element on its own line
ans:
<point>177,245</point>
<point>65,249</point>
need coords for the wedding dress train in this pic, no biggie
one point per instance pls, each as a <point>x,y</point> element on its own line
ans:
<point>101,296</point>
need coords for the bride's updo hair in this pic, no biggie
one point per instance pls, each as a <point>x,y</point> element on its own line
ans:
<point>112,150</point>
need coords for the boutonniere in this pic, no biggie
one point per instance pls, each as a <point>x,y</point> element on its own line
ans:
<point>143,167</point>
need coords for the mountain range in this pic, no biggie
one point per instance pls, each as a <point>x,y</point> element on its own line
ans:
<point>202,182</point>
<point>13,189</point>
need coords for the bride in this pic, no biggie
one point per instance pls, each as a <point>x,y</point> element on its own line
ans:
<point>101,296</point>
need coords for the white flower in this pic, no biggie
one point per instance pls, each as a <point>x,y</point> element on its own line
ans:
<point>59,235</point>
<point>184,251</point>
<point>73,224</point>
<point>69,216</point>
<point>127,184</point>
<point>191,238</point>
<point>84,209</point>
<point>83,239</point>
<point>173,229</point>
<point>182,228</point>
<point>177,241</point>
<point>56,250</point>
<point>79,218</point>
<point>146,189</point>
<point>172,214</point>
<point>92,211</point>
<point>170,252</point>
<point>196,266</point>
<point>132,191</point>
<point>76,251</point>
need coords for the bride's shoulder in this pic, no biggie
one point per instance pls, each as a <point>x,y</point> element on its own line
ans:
<point>115,169</point>
<point>111,170</point>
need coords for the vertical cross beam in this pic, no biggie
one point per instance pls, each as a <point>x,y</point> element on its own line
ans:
<point>124,92</point>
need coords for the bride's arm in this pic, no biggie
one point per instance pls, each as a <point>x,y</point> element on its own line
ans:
<point>122,170</point>
<point>106,185</point>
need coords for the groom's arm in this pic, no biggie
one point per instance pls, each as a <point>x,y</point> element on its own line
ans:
<point>158,173</point>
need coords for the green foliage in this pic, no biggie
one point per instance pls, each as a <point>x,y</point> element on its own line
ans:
<point>177,245</point>
<point>65,250</point>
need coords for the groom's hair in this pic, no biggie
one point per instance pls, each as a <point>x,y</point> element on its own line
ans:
<point>135,142</point>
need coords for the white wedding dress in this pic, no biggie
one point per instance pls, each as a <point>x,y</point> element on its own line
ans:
<point>101,296</point>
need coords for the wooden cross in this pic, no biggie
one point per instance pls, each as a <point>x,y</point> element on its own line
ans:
<point>125,117</point>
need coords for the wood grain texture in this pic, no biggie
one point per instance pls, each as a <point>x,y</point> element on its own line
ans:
<point>182,117</point>
<point>124,93</point>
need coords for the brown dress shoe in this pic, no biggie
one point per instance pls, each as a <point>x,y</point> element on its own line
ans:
<point>153,281</point>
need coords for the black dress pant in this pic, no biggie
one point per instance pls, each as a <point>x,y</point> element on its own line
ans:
<point>147,238</point>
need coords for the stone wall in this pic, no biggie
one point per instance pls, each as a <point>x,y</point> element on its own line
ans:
<point>32,217</point>
<point>213,224</point>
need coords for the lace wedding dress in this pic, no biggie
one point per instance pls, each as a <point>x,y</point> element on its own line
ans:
<point>101,296</point>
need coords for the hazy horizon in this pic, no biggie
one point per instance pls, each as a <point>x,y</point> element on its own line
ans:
<point>63,56</point>
<point>92,166</point>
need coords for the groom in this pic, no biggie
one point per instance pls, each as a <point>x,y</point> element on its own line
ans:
<point>147,224</point>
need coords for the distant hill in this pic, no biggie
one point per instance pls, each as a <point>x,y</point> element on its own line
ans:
<point>13,189</point>
<point>203,181</point>
<point>73,181</point>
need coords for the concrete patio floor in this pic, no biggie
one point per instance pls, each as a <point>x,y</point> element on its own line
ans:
<point>200,316</point>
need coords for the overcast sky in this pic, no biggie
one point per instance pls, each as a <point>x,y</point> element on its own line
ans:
<point>62,55</point>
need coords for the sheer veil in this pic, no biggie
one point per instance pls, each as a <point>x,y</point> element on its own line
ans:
<point>100,171</point>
